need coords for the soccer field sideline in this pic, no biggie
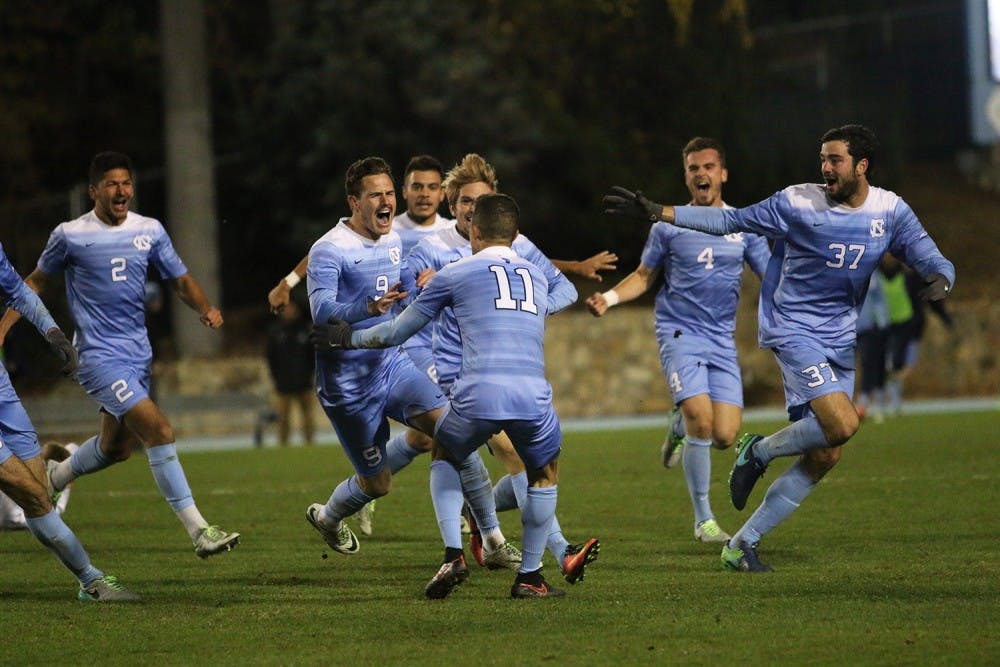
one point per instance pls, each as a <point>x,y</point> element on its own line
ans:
<point>326,434</point>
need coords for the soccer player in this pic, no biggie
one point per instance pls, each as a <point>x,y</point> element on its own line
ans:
<point>22,473</point>
<point>695,321</point>
<point>465,182</point>
<point>11,515</point>
<point>500,302</point>
<point>828,239</point>
<point>354,275</point>
<point>105,255</point>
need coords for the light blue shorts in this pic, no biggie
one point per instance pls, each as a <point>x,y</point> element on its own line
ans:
<point>538,441</point>
<point>810,370</point>
<point>695,365</point>
<point>17,434</point>
<point>398,391</point>
<point>117,387</point>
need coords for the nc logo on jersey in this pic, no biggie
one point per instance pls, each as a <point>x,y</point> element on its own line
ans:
<point>395,254</point>
<point>143,242</point>
<point>878,227</point>
<point>734,238</point>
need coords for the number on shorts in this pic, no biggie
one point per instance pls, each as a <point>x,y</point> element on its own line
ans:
<point>815,372</point>
<point>675,382</point>
<point>506,301</point>
<point>372,455</point>
<point>122,392</point>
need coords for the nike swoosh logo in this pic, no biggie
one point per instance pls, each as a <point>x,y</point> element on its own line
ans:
<point>87,245</point>
<point>358,261</point>
<point>742,459</point>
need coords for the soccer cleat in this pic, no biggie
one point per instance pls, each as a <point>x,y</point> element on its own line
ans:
<point>341,540</point>
<point>673,444</point>
<point>746,471</point>
<point>213,540</point>
<point>523,590</point>
<point>466,528</point>
<point>577,557</point>
<point>366,516</point>
<point>743,558</point>
<point>504,557</point>
<point>107,589</point>
<point>475,537</point>
<point>709,531</point>
<point>50,466</point>
<point>449,575</point>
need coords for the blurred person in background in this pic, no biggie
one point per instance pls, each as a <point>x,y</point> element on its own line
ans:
<point>873,346</point>
<point>291,361</point>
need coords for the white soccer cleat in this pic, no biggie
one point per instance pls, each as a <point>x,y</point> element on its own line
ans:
<point>341,540</point>
<point>213,540</point>
<point>709,531</point>
<point>504,557</point>
<point>107,589</point>
<point>366,518</point>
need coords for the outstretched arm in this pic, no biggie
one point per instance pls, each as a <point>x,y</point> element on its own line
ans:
<point>278,297</point>
<point>24,305</point>
<point>590,267</point>
<point>632,287</point>
<point>338,335</point>
<point>190,293</point>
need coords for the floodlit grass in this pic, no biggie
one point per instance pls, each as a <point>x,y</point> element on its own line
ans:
<point>892,560</point>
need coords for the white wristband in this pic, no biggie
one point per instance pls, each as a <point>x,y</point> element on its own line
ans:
<point>292,279</point>
<point>611,297</point>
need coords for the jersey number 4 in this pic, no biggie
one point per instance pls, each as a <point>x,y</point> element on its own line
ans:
<point>506,301</point>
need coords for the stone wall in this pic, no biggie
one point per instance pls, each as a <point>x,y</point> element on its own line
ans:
<point>610,366</point>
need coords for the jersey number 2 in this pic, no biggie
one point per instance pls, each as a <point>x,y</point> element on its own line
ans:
<point>506,301</point>
<point>118,269</point>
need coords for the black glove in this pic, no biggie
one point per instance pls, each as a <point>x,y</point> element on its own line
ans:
<point>336,335</point>
<point>64,350</point>
<point>936,287</point>
<point>631,204</point>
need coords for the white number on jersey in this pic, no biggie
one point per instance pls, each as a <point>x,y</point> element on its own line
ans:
<point>817,376</point>
<point>118,269</point>
<point>381,286</point>
<point>840,252</point>
<point>506,301</point>
<point>707,257</point>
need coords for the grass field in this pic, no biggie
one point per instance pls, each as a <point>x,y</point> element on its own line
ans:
<point>892,560</point>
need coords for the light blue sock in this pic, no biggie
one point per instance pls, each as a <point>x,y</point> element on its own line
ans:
<point>479,492</point>
<point>57,537</point>
<point>796,438</point>
<point>556,541</point>
<point>446,495</point>
<point>511,491</point>
<point>89,458</point>
<point>169,476</point>
<point>696,458</point>
<point>398,454</point>
<point>346,499</point>
<point>536,517</point>
<point>782,498</point>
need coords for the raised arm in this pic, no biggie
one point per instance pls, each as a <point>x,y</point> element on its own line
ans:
<point>630,288</point>
<point>190,292</point>
<point>278,297</point>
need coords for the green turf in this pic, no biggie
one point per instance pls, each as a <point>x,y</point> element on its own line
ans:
<point>892,560</point>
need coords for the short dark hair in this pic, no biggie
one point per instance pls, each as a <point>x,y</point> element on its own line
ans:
<point>423,163</point>
<point>862,144</point>
<point>496,216</point>
<point>368,166</point>
<point>704,144</point>
<point>105,162</point>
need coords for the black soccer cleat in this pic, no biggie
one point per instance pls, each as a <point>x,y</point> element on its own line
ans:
<point>533,585</point>
<point>450,575</point>
<point>743,558</point>
<point>746,471</point>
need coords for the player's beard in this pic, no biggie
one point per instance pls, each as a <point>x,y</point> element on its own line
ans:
<point>845,190</point>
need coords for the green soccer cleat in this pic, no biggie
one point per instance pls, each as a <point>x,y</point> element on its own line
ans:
<point>746,471</point>
<point>213,540</point>
<point>504,557</point>
<point>366,518</point>
<point>743,558</point>
<point>709,531</point>
<point>107,589</point>
<point>50,488</point>
<point>673,444</point>
<point>341,540</point>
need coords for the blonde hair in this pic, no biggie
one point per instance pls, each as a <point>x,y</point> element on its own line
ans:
<point>472,169</point>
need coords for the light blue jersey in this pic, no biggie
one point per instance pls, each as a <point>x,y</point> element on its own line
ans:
<point>702,276</point>
<point>346,272</point>
<point>106,267</point>
<point>823,257</point>
<point>410,234</point>
<point>448,246</point>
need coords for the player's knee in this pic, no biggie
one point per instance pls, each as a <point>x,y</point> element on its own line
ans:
<point>724,439</point>
<point>843,429</point>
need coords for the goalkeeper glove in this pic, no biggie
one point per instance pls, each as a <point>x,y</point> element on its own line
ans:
<point>64,350</point>
<point>631,204</point>
<point>335,335</point>
<point>936,287</point>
